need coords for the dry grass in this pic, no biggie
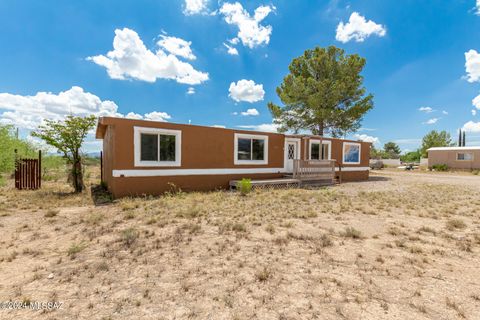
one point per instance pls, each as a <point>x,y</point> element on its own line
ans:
<point>404,248</point>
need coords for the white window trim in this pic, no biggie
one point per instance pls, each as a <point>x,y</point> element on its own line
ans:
<point>316,141</point>
<point>359,152</point>
<point>137,145</point>
<point>250,136</point>
<point>464,159</point>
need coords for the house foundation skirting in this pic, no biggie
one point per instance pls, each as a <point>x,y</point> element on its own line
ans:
<point>219,171</point>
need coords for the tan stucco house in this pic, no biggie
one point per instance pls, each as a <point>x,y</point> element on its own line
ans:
<point>464,158</point>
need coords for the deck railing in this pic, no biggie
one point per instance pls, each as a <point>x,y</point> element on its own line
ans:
<point>311,170</point>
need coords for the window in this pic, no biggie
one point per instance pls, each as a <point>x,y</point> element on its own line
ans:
<point>351,153</point>
<point>320,153</point>
<point>464,156</point>
<point>157,147</point>
<point>251,149</point>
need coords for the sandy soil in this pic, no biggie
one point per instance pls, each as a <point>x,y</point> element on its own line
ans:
<point>400,246</point>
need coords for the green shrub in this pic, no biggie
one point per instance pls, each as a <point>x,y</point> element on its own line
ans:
<point>74,249</point>
<point>244,186</point>
<point>476,172</point>
<point>440,167</point>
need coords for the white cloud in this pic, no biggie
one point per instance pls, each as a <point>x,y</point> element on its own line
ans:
<point>426,109</point>
<point>444,112</point>
<point>231,50</point>
<point>133,115</point>
<point>250,31</point>
<point>477,6</point>
<point>474,112</point>
<point>195,7</point>
<point>367,138</point>
<point>250,112</point>
<point>219,126</point>
<point>431,121</point>
<point>367,129</point>
<point>472,65</point>
<point>471,126</point>
<point>476,102</point>
<point>177,46</point>
<point>130,59</point>
<point>157,116</point>
<point>191,90</point>
<point>234,41</point>
<point>265,127</point>
<point>358,29</point>
<point>246,90</point>
<point>27,112</point>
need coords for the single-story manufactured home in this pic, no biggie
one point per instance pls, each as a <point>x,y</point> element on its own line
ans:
<point>463,158</point>
<point>149,157</point>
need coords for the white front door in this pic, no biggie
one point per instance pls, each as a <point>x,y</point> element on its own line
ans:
<point>291,153</point>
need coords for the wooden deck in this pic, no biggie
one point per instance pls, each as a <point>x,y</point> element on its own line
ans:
<point>313,173</point>
<point>269,183</point>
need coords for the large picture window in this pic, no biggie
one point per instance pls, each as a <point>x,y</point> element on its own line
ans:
<point>320,150</point>
<point>351,153</point>
<point>251,149</point>
<point>157,147</point>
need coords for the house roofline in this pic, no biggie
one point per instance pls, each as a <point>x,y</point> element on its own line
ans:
<point>454,148</point>
<point>104,122</point>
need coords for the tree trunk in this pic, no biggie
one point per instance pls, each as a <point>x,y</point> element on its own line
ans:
<point>321,129</point>
<point>77,175</point>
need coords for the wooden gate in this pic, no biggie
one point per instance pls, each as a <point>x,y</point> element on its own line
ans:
<point>28,172</point>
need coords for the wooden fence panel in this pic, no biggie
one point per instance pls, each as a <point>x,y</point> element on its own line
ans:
<point>28,173</point>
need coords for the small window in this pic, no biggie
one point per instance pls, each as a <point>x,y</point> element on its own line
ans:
<point>319,153</point>
<point>351,153</point>
<point>149,147</point>
<point>251,149</point>
<point>156,147</point>
<point>167,147</point>
<point>464,156</point>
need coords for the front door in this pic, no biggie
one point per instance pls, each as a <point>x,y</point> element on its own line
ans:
<point>291,153</point>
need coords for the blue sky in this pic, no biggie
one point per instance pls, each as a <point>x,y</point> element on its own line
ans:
<point>175,60</point>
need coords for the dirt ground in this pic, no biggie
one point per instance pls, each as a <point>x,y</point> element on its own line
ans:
<point>400,246</point>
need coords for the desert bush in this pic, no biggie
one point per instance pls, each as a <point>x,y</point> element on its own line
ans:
<point>74,249</point>
<point>95,218</point>
<point>51,213</point>
<point>351,232</point>
<point>325,241</point>
<point>440,167</point>
<point>244,186</point>
<point>129,236</point>
<point>455,224</point>
<point>263,274</point>
<point>239,227</point>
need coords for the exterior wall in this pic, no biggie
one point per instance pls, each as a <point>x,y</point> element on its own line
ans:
<point>449,157</point>
<point>203,149</point>
<point>337,150</point>
<point>108,155</point>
